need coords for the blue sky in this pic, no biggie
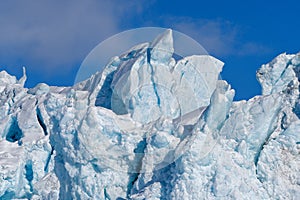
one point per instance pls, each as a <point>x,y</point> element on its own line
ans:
<point>51,38</point>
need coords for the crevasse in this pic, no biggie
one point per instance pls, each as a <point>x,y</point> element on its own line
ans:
<point>151,127</point>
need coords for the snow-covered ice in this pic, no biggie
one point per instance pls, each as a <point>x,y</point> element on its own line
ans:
<point>152,127</point>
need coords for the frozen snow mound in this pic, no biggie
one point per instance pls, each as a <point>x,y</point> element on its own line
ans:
<point>152,127</point>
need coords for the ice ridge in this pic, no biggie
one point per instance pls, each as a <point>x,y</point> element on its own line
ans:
<point>152,127</point>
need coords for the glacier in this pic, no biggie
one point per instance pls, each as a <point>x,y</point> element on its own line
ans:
<point>152,127</point>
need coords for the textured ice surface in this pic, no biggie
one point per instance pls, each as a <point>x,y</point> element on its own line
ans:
<point>151,127</point>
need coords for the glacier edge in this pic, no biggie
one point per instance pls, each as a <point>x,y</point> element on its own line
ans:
<point>150,127</point>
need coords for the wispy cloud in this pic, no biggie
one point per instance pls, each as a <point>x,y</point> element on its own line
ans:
<point>53,37</point>
<point>52,34</point>
<point>218,36</point>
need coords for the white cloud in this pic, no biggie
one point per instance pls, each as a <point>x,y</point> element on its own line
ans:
<point>219,37</point>
<point>53,34</point>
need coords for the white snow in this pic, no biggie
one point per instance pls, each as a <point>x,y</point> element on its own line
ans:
<point>150,127</point>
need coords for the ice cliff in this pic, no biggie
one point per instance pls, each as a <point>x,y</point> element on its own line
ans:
<point>152,127</point>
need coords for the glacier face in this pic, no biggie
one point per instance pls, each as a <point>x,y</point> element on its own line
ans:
<point>152,127</point>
